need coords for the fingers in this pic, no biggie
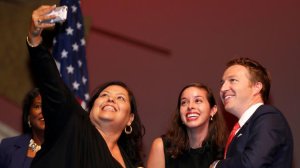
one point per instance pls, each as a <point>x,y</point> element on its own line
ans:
<point>38,16</point>
<point>37,25</point>
<point>41,14</point>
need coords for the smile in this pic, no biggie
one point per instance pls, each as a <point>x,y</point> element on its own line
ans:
<point>192,116</point>
<point>109,108</point>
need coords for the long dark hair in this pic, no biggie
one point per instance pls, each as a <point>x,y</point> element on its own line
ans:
<point>177,134</point>
<point>131,143</point>
<point>27,103</point>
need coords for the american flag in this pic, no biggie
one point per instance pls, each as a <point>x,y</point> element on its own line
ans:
<point>69,51</point>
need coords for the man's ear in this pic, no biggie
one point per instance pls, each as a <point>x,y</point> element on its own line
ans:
<point>257,87</point>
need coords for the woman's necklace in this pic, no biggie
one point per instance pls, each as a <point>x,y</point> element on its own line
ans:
<point>33,146</point>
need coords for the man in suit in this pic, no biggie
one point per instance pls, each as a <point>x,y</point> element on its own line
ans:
<point>262,136</point>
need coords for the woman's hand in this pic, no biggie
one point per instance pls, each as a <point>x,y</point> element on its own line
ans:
<point>37,24</point>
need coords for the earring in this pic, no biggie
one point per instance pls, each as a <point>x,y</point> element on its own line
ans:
<point>28,122</point>
<point>211,118</point>
<point>128,131</point>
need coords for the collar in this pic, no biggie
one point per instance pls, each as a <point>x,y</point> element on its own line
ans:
<point>248,113</point>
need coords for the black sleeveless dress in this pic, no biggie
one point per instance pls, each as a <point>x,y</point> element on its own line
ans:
<point>193,158</point>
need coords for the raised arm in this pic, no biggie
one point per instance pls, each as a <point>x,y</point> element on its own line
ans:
<point>58,100</point>
<point>34,37</point>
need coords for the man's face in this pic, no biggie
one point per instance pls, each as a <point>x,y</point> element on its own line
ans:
<point>237,92</point>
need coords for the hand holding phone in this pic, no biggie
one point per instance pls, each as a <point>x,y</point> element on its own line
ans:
<point>60,13</point>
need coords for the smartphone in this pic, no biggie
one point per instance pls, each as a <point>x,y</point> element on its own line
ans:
<point>61,15</point>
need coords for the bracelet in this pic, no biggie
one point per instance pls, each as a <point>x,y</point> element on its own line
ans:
<point>30,44</point>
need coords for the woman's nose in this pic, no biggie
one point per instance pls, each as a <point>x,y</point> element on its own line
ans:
<point>110,99</point>
<point>190,105</point>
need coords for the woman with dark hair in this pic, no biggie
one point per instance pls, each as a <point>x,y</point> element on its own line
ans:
<point>108,136</point>
<point>197,135</point>
<point>18,152</point>
<point>131,138</point>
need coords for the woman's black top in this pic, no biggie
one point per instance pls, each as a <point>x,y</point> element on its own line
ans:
<point>71,140</point>
<point>193,158</point>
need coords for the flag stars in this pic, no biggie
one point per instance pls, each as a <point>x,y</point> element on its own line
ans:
<point>69,31</point>
<point>64,54</point>
<point>69,54</point>
<point>70,69</point>
<point>82,42</point>
<point>84,80</point>
<point>75,85</point>
<point>78,25</point>
<point>86,96</point>
<point>74,8</point>
<point>83,105</point>
<point>79,63</point>
<point>75,47</point>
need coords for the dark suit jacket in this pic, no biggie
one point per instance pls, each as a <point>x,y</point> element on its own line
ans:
<point>13,152</point>
<point>264,141</point>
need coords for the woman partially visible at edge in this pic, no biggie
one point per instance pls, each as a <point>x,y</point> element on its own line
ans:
<point>108,136</point>
<point>18,151</point>
<point>197,135</point>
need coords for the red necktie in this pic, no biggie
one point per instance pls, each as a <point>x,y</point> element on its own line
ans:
<point>232,134</point>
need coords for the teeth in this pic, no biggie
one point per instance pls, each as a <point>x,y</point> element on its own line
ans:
<point>192,115</point>
<point>108,108</point>
<point>227,97</point>
<point>42,119</point>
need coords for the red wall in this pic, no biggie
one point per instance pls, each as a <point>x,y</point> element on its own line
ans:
<point>157,47</point>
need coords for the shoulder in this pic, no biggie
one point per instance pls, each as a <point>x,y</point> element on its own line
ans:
<point>269,120</point>
<point>13,149</point>
<point>157,146</point>
<point>267,112</point>
<point>17,140</point>
<point>9,144</point>
<point>158,143</point>
<point>268,108</point>
<point>156,156</point>
<point>10,140</point>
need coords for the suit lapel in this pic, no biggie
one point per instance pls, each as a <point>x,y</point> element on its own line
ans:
<point>21,147</point>
<point>234,146</point>
<point>239,141</point>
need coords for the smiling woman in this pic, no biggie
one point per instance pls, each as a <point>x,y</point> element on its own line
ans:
<point>19,151</point>
<point>110,135</point>
<point>197,135</point>
<point>113,103</point>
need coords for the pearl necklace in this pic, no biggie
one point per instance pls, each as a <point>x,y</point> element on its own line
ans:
<point>33,146</point>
